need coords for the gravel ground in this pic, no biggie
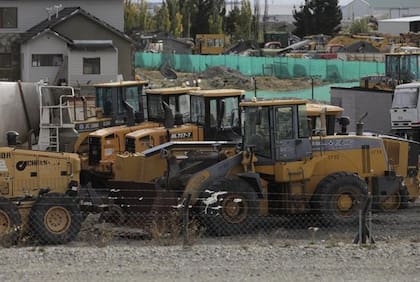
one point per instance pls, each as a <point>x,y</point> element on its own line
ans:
<point>277,261</point>
<point>282,254</point>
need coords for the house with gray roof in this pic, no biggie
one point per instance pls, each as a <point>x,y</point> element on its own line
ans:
<point>74,42</point>
<point>381,9</point>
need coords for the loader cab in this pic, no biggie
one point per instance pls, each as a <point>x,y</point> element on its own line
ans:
<point>278,130</point>
<point>217,111</point>
<point>403,67</point>
<point>121,101</point>
<point>322,118</point>
<point>178,100</point>
<point>213,116</point>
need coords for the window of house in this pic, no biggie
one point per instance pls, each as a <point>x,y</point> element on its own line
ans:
<point>5,60</point>
<point>47,60</point>
<point>91,65</point>
<point>8,17</point>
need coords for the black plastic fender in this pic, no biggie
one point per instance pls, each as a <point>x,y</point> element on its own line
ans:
<point>254,180</point>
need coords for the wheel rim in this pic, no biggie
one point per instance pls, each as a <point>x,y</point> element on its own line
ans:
<point>344,202</point>
<point>235,208</point>
<point>57,219</point>
<point>4,222</point>
<point>392,202</point>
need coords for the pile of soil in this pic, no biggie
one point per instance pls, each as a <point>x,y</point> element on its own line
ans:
<point>223,77</point>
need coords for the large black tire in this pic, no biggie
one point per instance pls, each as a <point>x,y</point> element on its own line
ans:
<point>228,206</point>
<point>339,197</point>
<point>397,201</point>
<point>55,218</point>
<point>10,222</point>
<point>405,197</point>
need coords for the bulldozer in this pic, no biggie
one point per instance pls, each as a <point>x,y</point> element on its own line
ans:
<point>283,170</point>
<point>39,195</point>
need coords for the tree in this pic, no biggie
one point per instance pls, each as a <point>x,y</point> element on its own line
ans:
<point>231,19</point>
<point>162,19</point>
<point>204,9</point>
<point>130,16</point>
<point>359,26</point>
<point>317,17</point>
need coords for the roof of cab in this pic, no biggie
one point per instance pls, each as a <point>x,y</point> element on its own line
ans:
<point>122,83</point>
<point>219,92</point>
<point>315,109</point>
<point>171,90</point>
<point>278,102</point>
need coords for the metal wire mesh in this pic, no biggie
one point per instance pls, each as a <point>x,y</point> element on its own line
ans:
<point>171,217</point>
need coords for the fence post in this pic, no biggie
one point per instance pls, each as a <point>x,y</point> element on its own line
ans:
<point>364,231</point>
<point>185,219</point>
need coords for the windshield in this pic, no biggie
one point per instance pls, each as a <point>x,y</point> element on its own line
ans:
<point>104,100</point>
<point>197,110</point>
<point>155,107</point>
<point>257,130</point>
<point>132,97</point>
<point>405,98</point>
<point>180,104</point>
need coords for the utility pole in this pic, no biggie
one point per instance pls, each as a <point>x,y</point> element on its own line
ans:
<point>257,19</point>
<point>265,18</point>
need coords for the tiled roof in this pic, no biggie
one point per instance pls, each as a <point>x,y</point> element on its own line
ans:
<point>64,14</point>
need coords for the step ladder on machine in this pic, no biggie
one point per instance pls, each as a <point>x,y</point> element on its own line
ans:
<point>54,115</point>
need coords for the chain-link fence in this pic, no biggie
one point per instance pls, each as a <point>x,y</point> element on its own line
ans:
<point>221,216</point>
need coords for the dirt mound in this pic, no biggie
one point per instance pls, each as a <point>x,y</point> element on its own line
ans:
<point>223,77</point>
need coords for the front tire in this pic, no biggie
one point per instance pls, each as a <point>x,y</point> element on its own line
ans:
<point>228,206</point>
<point>55,218</point>
<point>339,198</point>
<point>10,222</point>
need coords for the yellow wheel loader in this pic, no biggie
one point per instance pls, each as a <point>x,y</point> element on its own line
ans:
<point>283,170</point>
<point>212,114</point>
<point>38,195</point>
<point>66,119</point>
<point>106,143</point>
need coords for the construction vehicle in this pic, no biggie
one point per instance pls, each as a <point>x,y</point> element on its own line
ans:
<point>209,44</point>
<point>400,68</point>
<point>403,157</point>
<point>405,111</point>
<point>39,195</point>
<point>284,171</point>
<point>214,116</point>
<point>106,143</point>
<point>323,117</point>
<point>66,119</point>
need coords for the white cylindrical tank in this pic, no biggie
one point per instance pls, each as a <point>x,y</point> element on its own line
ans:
<point>12,109</point>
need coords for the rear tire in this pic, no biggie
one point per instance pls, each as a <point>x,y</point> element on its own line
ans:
<point>339,198</point>
<point>10,222</point>
<point>228,206</point>
<point>55,218</point>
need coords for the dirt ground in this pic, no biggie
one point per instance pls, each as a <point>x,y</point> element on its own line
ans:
<point>220,77</point>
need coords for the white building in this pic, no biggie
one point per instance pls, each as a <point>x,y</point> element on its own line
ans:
<point>381,9</point>
<point>399,25</point>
